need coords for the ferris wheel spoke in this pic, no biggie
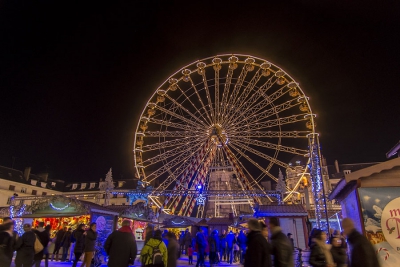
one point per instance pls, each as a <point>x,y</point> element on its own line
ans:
<point>187,111</point>
<point>173,124</point>
<point>169,112</point>
<point>201,101</point>
<point>174,133</point>
<point>171,163</point>
<point>235,92</point>
<point>264,114</point>
<point>291,150</point>
<point>249,87</point>
<point>271,134</point>
<point>213,115</point>
<point>225,94</point>
<point>216,91</point>
<point>177,172</point>
<point>168,154</point>
<point>260,154</point>
<point>260,106</point>
<point>275,122</point>
<point>176,142</point>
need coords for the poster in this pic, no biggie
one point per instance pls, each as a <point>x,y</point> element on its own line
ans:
<point>105,226</point>
<point>381,214</point>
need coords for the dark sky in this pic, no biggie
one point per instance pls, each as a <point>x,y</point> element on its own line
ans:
<point>74,78</point>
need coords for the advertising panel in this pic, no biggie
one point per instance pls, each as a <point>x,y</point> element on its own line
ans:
<point>381,214</point>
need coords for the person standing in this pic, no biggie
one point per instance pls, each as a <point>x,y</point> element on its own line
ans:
<point>121,246</point>
<point>281,246</point>
<point>79,243</point>
<point>25,248</point>
<point>338,252</point>
<point>362,252</point>
<point>320,255</point>
<point>230,240</point>
<point>5,226</point>
<point>201,247</point>
<point>90,243</point>
<point>181,242</point>
<point>173,248</point>
<point>258,252</point>
<point>222,246</point>
<point>217,245</point>
<point>44,238</point>
<point>213,248</point>
<point>66,243</point>
<point>242,240</point>
<point>187,240</point>
<point>57,243</point>
<point>190,254</point>
<point>154,252</point>
<point>6,247</point>
<point>289,235</point>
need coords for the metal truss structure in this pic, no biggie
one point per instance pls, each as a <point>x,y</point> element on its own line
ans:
<point>237,112</point>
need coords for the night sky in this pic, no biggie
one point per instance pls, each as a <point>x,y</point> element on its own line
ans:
<point>74,78</point>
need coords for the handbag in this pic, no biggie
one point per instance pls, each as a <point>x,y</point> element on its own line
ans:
<point>38,245</point>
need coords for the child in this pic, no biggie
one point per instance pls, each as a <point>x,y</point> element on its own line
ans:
<point>190,254</point>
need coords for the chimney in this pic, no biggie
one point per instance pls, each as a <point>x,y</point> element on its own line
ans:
<point>231,216</point>
<point>27,173</point>
<point>44,176</point>
<point>337,166</point>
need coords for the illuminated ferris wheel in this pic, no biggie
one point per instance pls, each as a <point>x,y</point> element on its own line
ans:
<point>229,110</point>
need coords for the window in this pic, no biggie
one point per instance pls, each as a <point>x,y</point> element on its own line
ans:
<point>34,192</point>
<point>23,190</point>
<point>12,187</point>
<point>347,171</point>
<point>44,193</point>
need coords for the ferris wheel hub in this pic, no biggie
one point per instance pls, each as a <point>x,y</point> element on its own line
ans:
<point>218,135</point>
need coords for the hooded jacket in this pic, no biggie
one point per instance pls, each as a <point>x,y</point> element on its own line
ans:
<point>147,251</point>
<point>121,247</point>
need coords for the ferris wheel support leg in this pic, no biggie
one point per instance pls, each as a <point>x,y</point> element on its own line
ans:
<point>321,213</point>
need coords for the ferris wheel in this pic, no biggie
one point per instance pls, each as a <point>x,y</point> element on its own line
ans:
<point>227,110</point>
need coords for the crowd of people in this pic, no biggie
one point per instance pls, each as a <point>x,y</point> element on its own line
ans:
<point>260,246</point>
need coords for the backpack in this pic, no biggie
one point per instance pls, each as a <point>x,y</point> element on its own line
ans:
<point>156,257</point>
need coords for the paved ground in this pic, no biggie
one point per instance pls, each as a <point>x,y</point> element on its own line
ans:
<point>181,263</point>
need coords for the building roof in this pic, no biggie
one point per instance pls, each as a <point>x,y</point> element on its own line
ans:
<point>220,221</point>
<point>283,210</point>
<point>345,168</point>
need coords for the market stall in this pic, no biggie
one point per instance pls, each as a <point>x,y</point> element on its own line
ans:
<point>371,198</point>
<point>60,211</point>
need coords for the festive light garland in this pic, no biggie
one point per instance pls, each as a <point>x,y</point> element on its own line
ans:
<point>59,209</point>
<point>200,200</point>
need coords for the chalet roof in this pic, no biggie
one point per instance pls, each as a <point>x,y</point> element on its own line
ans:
<point>220,221</point>
<point>276,210</point>
<point>178,221</point>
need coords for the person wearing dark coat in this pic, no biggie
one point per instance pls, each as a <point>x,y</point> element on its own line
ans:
<point>362,252</point>
<point>172,249</point>
<point>187,240</point>
<point>338,252</point>
<point>222,246</point>
<point>213,248</point>
<point>217,245</point>
<point>281,246</point>
<point>320,255</point>
<point>90,243</point>
<point>44,237</point>
<point>181,242</point>
<point>121,246</point>
<point>230,240</point>
<point>57,243</point>
<point>66,243</point>
<point>258,249</point>
<point>25,248</point>
<point>79,243</point>
<point>201,247</point>
<point>6,247</point>
<point>242,242</point>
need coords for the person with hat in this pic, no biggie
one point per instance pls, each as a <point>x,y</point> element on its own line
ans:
<point>281,246</point>
<point>25,248</point>
<point>258,252</point>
